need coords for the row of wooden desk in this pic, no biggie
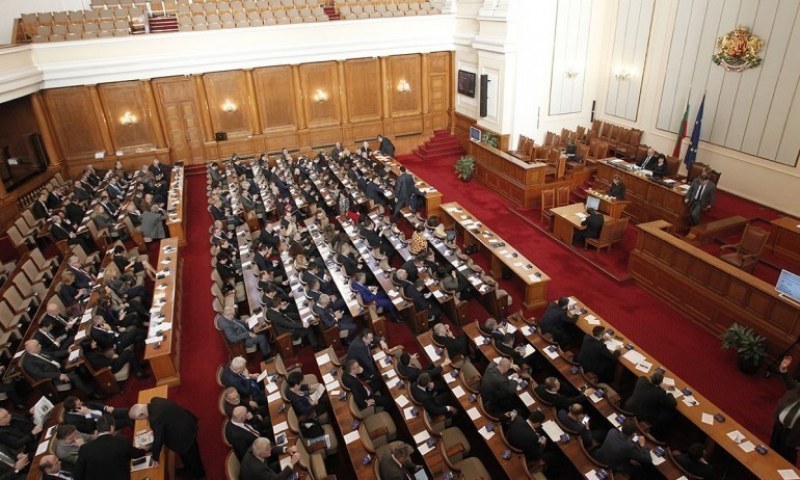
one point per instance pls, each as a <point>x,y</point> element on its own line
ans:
<point>163,339</point>
<point>176,200</point>
<point>432,196</point>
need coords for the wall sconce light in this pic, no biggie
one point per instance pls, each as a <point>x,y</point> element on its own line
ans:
<point>403,86</point>
<point>320,96</point>
<point>570,73</point>
<point>229,106</point>
<point>128,119</point>
<point>623,74</point>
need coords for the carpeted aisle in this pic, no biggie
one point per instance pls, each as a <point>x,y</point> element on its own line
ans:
<point>660,329</point>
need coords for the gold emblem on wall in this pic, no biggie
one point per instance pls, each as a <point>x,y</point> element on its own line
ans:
<point>737,50</point>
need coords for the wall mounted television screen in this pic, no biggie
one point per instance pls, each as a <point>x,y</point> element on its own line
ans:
<point>466,83</point>
<point>474,134</point>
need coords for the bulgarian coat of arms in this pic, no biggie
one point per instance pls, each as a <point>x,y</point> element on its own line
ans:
<point>737,50</point>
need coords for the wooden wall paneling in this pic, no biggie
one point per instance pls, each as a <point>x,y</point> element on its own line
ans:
<point>102,122</point>
<point>319,83</point>
<point>75,127</point>
<point>406,68</point>
<point>343,93</point>
<point>50,145</point>
<point>155,119</point>
<point>302,117</point>
<point>425,84</point>
<point>252,105</point>
<point>438,103</point>
<point>276,100</point>
<point>362,79</point>
<point>225,89</point>
<point>181,117</point>
<point>118,99</point>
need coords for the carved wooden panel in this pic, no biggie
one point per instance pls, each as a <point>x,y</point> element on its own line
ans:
<point>404,78</point>
<point>439,63</point>
<point>363,89</point>
<point>275,97</point>
<point>75,126</point>
<point>319,83</point>
<point>228,100</point>
<point>123,98</point>
<point>179,112</point>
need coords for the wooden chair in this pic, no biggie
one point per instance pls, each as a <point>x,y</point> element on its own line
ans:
<point>744,255</point>
<point>672,454</point>
<point>235,349</point>
<point>562,196</point>
<point>604,240</point>
<point>232,467</point>
<point>548,202</point>
<point>105,379</point>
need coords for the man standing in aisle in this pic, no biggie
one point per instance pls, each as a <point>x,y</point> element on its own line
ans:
<point>403,190</point>
<point>700,197</point>
<point>385,146</point>
<point>174,427</point>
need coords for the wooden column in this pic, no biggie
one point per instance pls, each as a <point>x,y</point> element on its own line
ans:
<point>426,108</point>
<point>343,92</point>
<point>385,90</point>
<point>155,120</point>
<point>252,104</point>
<point>301,114</point>
<point>97,105</point>
<point>205,115</point>
<point>50,144</point>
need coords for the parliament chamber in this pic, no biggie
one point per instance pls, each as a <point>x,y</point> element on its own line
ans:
<point>399,239</point>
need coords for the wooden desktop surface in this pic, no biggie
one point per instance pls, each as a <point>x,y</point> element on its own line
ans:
<point>175,201</point>
<point>784,240</point>
<point>164,357</point>
<point>534,280</point>
<point>568,219</point>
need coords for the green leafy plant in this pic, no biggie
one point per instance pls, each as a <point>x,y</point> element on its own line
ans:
<point>465,167</point>
<point>750,346</point>
<point>490,139</point>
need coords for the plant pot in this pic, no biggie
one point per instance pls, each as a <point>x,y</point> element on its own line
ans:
<point>466,180</point>
<point>746,366</point>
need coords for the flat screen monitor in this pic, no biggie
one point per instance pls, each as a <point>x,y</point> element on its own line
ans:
<point>592,202</point>
<point>474,134</point>
<point>789,285</point>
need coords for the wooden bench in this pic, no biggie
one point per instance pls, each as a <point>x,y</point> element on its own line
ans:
<point>708,232</point>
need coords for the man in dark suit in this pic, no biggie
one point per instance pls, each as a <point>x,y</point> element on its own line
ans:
<point>456,346</point>
<point>559,322</point>
<point>785,438</point>
<point>410,368</point>
<point>521,434</point>
<point>364,392</point>
<point>619,448</point>
<point>617,189</point>
<point>236,375</point>
<point>649,160</point>
<point>498,391</point>
<point>575,419</point>
<point>404,188</point>
<point>336,152</point>
<point>239,434</point>
<point>652,403</point>
<point>385,146</point>
<point>39,208</point>
<point>693,462</point>
<point>18,433</point>
<point>256,466</point>
<point>595,356</point>
<point>85,415</point>
<point>396,464</point>
<point>360,350</point>
<point>52,468</point>
<point>285,324</point>
<point>13,465</point>
<point>550,392</point>
<point>594,225</point>
<point>700,197</point>
<point>174,427</point>
<point>108,456</point>
<point>73,211</point>
<point>39,366</point>
<point>235,330</point>
<point>434,402</point>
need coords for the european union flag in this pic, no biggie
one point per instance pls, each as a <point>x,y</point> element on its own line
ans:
<point>691,154</point>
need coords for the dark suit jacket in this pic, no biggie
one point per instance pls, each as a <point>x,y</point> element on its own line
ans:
<point>358,390</point>
<point>412,373</point>
<point>405,187</point>
<point>649,402</point>
<point>593,223</point>
<point>556,321</point>
<point>496,388</point>
<point>239,438</point>
<point>617,451</point>
<point>696,468</point>
<point>557,399</point>
<point>38,368</point>
<point>17,434</point>
<point>597,358</point>
<point>648,162</point>
<point>246,387</point>
<point>791,396</point>
<point>575,426</point>
<point>706,198</point>
<point>659,170</point>
<point>83,424</point>
<point>521,435</point>
<point>361,352</point>
<point>386,147</point>
<point>40,210</point>
<point>428,401</point>
<point>172,425</point>
<point>455,346</point>
<point>390,470</point>
<point>105,458</point>
<point>617,191</point>
<point>254,469</point>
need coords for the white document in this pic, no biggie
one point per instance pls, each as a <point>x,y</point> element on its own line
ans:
<point>379,356</point>
<point>644,366</point>
<point>613,419</point>
<point>323,359</point>
<point>280,427</point>
<point>272,387</point>
<point>332,386</point>
<point>614,344</point>
<point>486,433</point>
<point>252,321</point>
<point>351,437</point>
<point>788,474</point>
<point>424,449</point>
<point>656,459</point>
<point>286,462</point>
<point>42,448</point>
<point>458,391</point>
<point>736,436</point>
<point>391,373</point>
<point>527,331</point>
<point>707,418</point>
<point>552,353</point>
<point>669,381</point>
<point>473,413</point>
<point>431,351</point>
<point>592,320</point>
<point>262,376</point>
<point>327,378</point>
<point>478,340</point>
<point>408,413</point>
<point>274,397</point>
<point>529,350</point>
<point>690,401</point>
<point>402,401</point>
<point>591,475</point>
<point>552,430</point>
<point>422,437</point>
<point>747,446</point>
<point>633,356</point>
<point>527,399</point>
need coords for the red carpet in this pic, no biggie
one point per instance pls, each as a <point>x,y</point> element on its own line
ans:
<point>657,327</point>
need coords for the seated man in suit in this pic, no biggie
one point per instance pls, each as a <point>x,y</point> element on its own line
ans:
<point>410,368</point>
<point>576,420</point>
<point>593,223</point>
<point>108,456</point>
<point>522,434</point>
<point>68,441</point>
<point>52,468</point>
<point>621,447</point>
<point>499,392</point>
<point>255,464</point>
<point>652,402</point>
<point>13,465</point>
<point>39,366</point>
<point>457,346</point>
<point>153,223</point>
<point>433,401</point>
<point>693,462</point>
<point>360,350</point>
<point>308,401</point>
<point>84,415</point>
<point>396,464</point>
<point>507,348</point>
<point>550,392</point>
<point>595,356</point>
<point>237,376</point>
<point>385,146</point>
<point>370,294</point>
<point>492,329</point>
<point>54,345</point>
<point>617,189</point>
<point>364,393</point>
<point>259,419</point>
<point>239,433</point>
<point>700,197</point>
<point>559,322</point>
<point>422,302</point>
<point>283,323</point>
<point>18,433</point>
<point>235,330</point>
<point>40,209</point>
<point>649,160</point>
<point>330,317</point>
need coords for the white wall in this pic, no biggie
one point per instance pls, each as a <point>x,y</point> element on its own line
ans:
<point>11,9</point>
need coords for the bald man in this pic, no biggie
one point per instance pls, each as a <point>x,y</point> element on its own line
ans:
<point>40,366</point>
<point>500,392</point>
<point>255,465</point>
<point>235,330</point>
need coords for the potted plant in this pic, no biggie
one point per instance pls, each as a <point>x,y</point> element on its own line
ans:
<point>749,346</point>
<point>465,167</point>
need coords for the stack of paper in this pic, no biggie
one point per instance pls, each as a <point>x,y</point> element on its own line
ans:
<point>552,430</point>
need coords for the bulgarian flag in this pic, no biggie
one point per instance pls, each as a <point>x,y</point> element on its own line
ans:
<point>676,152</point>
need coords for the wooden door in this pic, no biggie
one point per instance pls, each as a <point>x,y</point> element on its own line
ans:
<point>182,126</point>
